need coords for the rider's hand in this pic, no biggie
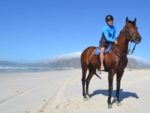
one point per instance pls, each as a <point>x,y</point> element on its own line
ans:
<point>116,42</point>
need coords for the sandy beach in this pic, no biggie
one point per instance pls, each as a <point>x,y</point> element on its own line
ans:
<point>61,92</point>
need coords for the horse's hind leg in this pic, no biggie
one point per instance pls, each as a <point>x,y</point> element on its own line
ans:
<point>84,70</point>
<point>90,75</point>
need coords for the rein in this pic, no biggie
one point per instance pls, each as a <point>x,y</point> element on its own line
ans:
<point>130,51</point>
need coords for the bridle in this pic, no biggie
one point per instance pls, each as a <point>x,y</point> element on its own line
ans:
<point>132,41</point>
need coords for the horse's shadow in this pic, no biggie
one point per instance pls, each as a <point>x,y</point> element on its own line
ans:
<point>123,94</point>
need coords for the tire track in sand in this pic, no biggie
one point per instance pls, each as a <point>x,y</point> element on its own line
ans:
<point>55,97</point>
<point>5,100</point>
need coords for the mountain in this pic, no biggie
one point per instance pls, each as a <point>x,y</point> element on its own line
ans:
<point>73,61</point>
<point>67,61</point>
<point>136,62</point>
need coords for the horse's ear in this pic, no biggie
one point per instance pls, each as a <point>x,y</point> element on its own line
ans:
<point>127,19</point>
<point>134,21</point>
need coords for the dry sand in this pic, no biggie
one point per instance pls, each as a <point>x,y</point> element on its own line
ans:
<point>61,92</point>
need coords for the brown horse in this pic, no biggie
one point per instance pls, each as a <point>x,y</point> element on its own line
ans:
<point>115,60</point>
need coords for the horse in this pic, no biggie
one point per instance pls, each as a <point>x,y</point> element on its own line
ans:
<point>115,60</point>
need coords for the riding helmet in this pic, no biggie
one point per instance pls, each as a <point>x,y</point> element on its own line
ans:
<point>109,17</point>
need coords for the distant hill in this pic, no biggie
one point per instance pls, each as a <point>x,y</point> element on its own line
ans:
<point>137,63</point>
<point>69,61</point>
<point>74,62</point>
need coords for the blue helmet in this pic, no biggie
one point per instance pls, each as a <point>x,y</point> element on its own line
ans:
<point>109,17</point>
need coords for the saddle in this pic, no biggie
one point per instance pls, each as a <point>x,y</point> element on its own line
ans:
<point>98,51</point>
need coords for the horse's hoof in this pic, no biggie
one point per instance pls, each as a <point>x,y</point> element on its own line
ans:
<point>85,99</point>
<point>109,106</point>
<point>88,96</point>
<point>118,103</point>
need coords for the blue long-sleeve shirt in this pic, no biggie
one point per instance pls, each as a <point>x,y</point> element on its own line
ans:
<point>109,33</point>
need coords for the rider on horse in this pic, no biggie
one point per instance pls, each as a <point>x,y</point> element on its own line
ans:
<point>108,36</point>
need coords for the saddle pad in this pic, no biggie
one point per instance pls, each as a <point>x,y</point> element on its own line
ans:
<point>97,50</point>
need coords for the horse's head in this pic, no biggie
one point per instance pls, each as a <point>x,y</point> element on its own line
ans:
<point>132,31</point>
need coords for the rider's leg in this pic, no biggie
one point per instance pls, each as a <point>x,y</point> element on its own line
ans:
<point>102,58</point>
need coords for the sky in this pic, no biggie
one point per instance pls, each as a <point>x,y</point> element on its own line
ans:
<point>39,29</point>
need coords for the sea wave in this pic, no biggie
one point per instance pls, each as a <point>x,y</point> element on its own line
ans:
<point>29,69</point>
<point>9,68</point>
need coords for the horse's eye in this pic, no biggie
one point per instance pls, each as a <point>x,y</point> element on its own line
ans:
<point>128,28</point>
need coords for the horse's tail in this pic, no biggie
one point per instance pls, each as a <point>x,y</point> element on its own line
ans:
<point>84,64</point>
<point>85,60</point>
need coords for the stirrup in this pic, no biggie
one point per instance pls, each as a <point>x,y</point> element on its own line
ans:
<point>102,68</point>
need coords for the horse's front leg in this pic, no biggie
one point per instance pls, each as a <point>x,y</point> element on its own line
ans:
<point>110,88</point>
<point>118,80</point>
